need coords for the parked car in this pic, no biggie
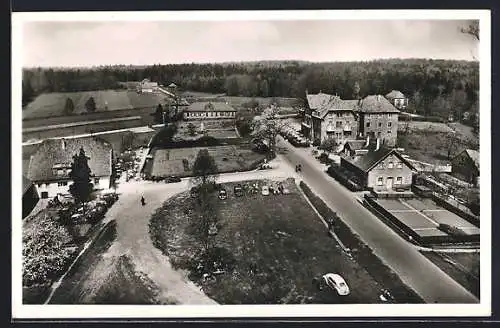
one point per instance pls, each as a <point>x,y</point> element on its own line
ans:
<point>337,283</point>
<point>238,190</point>
<point>222,194</point>
<point>265,190</point>
<point>265,166</point>
<point>285,191</point>
<point>172,179</point>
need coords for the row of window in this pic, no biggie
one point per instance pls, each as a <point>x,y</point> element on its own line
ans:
<point>65,183</point>
<point>211,114</point>
<point>380,180</point>
<point>390,165</point>
<point>389,124</point>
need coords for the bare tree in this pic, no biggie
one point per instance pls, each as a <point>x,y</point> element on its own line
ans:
<point>472,29</point>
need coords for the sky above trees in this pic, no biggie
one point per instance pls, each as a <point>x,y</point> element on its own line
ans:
<point>79,43</point>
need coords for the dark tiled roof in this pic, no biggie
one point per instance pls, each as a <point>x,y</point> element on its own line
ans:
<point>320,100</point>
<point>26,184</point>
<point>337,104</point>
<point>474,155</point>
<point>376,104</point>
<point>51,153</point>
<point>355,144</point>
<point>373,157</point>
<point>209,106</point>
<point>395,94</point>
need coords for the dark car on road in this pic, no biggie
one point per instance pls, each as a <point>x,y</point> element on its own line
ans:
<point>172,179</point>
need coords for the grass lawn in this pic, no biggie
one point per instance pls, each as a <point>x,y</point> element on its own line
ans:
<point>278,243</point>
<point>167,162</point>
<point>52,104</point>
<point>431,147</point>
<point>462,267</point>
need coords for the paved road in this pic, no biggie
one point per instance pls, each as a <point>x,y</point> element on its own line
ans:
<point>430,282</point>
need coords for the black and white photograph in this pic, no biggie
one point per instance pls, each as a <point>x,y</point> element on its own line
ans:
<point>286,163</point>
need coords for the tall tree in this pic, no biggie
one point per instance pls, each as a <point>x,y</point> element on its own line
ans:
<point>191,129</point>
<point>164,136</point>
<point>90,105</point>
<point>158,114</point>
<point>69,107</point>
<point>204,169</point>
<point>204,177</point>
<point>328,145</point>
<point>356,90</point>
<point>80,173</point>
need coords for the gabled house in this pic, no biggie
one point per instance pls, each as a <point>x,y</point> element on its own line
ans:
<point>50,165</point>
<point>378,119</point>
<point>397,99</point>
<point>465,166</point>
<point>379,168</point>
<point>209,110</point>
<point>330,117</point>
<point>30,196</point>
<point>147,86</point>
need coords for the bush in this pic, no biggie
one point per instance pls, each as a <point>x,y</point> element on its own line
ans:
<point>185,164</point>
<point>211,260</point>
<point>451,230</point>
<point>44,254</point>
<point>343,177</point>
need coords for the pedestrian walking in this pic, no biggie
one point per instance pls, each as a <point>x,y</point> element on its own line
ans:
<point>143,201</point>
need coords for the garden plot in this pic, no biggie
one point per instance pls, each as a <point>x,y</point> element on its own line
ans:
<point>179,161</point>
<point>424,217</point>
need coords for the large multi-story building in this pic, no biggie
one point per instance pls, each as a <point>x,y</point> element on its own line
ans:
<point>329,116</point>
<point>378,118</point>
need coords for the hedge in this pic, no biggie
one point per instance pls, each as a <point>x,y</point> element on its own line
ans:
<point>335,172</point>
<point>362,253</point>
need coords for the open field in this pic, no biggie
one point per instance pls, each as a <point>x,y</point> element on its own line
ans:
<point>278,245</point>
<point>72,130</point>
<point>462,267</point>
<point>52,104</point>
<point>168,162</point>
<point>425,126</point>
<point>238,101</point>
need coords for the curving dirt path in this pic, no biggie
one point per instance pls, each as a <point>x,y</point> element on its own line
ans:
<point>148,271</point>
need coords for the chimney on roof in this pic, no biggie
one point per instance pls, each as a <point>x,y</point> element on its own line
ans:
<point>63,144</point>
<point>307,92</point>
<point>378,144</point>
<point>367,141</point>
<point>378,97</point>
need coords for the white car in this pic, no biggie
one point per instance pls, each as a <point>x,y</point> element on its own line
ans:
<point>265,191</point>
<point>337,283</point>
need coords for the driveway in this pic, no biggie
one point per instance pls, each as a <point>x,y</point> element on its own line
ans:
<point>133,240</point>
<point>430,282</point>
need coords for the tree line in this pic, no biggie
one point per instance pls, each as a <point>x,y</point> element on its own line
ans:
<point>434,87</point>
